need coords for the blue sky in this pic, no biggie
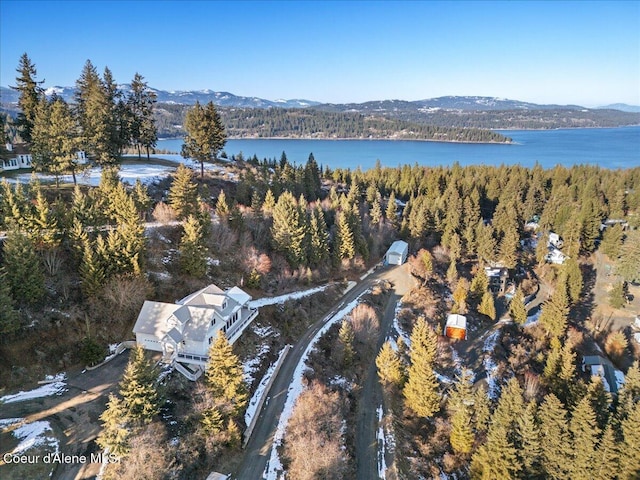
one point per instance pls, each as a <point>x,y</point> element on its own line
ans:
<point>586,53</point>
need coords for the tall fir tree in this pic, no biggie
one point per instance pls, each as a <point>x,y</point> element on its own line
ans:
<point>193,251</point>
<point>554,438</point>
<point>140,103</point>
<point>585,433</point>
<point>205,134</point>
<point>141,399</point>
<point>461,405</point>
<point>223,377</point>
<point>392,211</point>
<point>318,238</point>
<point>389,365</point>
<point>115,434</point>
<point>9,317</point>
<point>517,309</point>
<point>628,264</point>
<point>30,94</point>
<point>629,467</point>
<point>346,338</point>
<point>183,193</point>
<point>344,243</point>
<point>288,230</point>
<point>23,268</point>
<point>487,306</point>
<point>421,390</point>
<point>555,312</point>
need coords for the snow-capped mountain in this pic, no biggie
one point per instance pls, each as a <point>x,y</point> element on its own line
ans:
<point>181,97</point>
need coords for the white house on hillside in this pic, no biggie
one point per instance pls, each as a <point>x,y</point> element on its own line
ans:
<point>184,331</point>
<point>21,157</point>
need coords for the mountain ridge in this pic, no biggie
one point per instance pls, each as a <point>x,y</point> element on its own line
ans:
<point>227,99</point>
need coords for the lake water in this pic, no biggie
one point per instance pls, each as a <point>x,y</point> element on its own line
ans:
<point>607,147</point>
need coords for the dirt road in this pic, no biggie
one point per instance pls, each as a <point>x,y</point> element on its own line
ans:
<point>258,449</point>
<point>371,394</point>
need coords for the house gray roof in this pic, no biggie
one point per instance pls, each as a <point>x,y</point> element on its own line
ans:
<point>153,316</point>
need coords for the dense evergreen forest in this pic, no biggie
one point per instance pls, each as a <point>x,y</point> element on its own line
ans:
<point>311,123</point>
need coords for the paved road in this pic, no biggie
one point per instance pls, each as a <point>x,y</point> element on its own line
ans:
<point>258,449</point>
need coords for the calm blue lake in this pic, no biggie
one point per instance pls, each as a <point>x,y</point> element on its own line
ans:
<point>607,147</point>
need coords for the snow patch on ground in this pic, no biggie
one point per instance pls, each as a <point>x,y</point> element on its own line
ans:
<point>264,332</point>
<point>35,434</point>
<point>396,326</point>
<point>57,386</point>
<point>490,365</point>
<point>380,437</point>
<point>7,422</point>
<point>442,378</point>
<point>261,302</point>
<point>252,364</point>
<point>274,466</point>
<point>255,399</point>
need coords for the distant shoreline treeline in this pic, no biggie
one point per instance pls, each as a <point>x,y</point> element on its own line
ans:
<point>315,124</point>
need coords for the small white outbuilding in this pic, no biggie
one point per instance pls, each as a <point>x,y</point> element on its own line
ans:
<point>397,253</point>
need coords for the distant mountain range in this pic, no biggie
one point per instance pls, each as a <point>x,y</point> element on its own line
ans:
<point>226,99</point>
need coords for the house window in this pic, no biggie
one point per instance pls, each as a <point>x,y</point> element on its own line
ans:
<point>213,321</point>
<point>210,340</point>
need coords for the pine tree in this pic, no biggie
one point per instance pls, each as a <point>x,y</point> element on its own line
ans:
<point>23,268</point>
<point>55,139</point>
<point>554,438</point>
<point>460,296</point>
<point>9,318</point>
<point>346,337</point>
<point>528,442</point>
<point>485,243</point>
<point>479,284</point>
<point>452,272</point>
<point>115,433</point>
<point>140,397</point>
<point>555,311</point>
<point>44,225</point>
<point>628,265</point>
<point>288,231</point>
<point>571,270</point>
<point>496,458</point>
<point>509,246</point>
<point>193,252</point>
<point>629,467</point>
<point>421,390</point>
<point>629,394</point>
<point>222,207</point>
<point>140,103</point>
<point>376,212</point>
<point>584,433</point>
<point>224,377</point>
<point>461,405</point>
<point>92,270</point>
<point>318,238</point>
<point>552,364</point>
<point>606,458</point>
<point>183,194</point>
<point>94,110</point>
<point>517,309</point>
<point>30,94</point>
<point>269,203</point>
<point>344,246</point>
<point>487,306</point>
<point>389,365</point>
<point>612,241</point>
<point>392,211</point>
<point>481,409</point>
<point>205,134</point>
